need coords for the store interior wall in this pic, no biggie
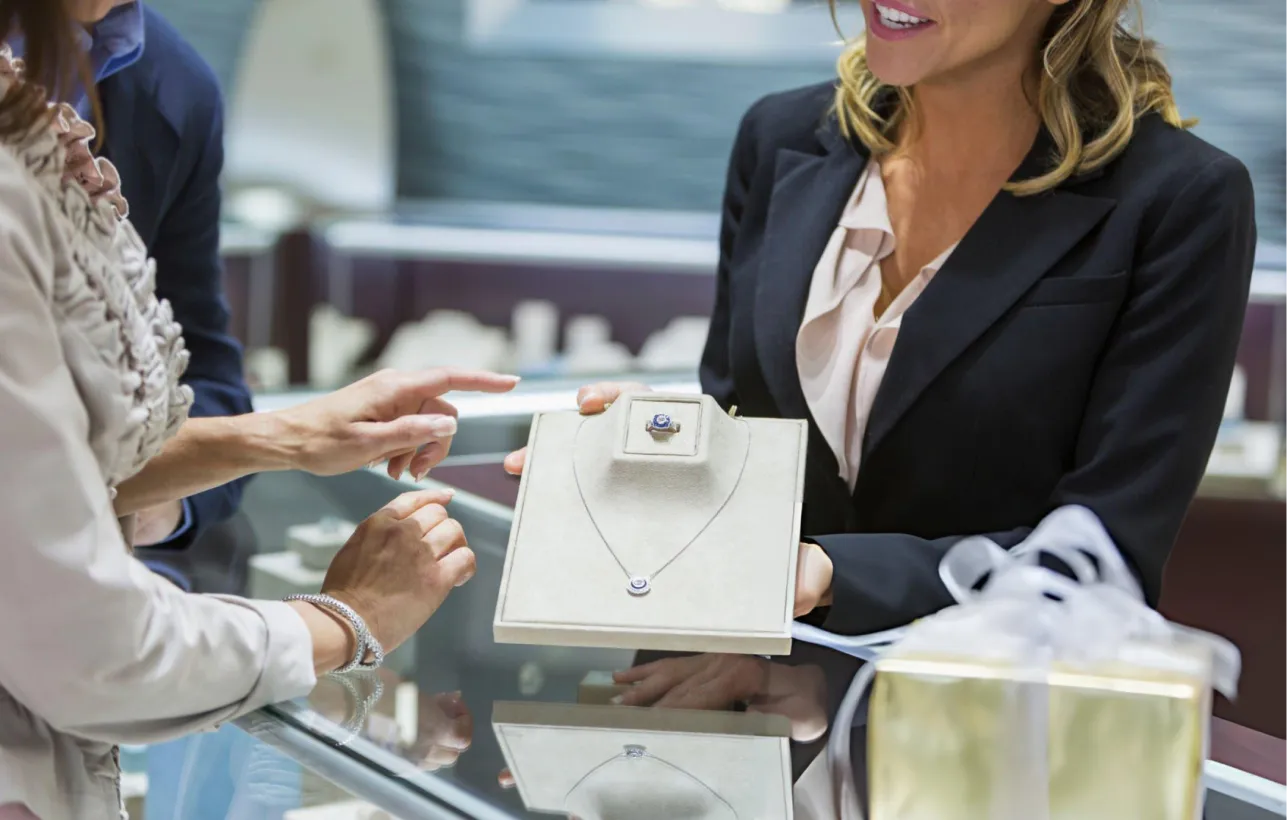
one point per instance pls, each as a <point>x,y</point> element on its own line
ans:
<point>656,133</point>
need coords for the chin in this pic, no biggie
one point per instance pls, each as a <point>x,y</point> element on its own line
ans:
<point>893,69</point>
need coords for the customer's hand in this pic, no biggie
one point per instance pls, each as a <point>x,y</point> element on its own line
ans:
<point>391,416</point>
<point>400,565</point>
<point>444,731</point>
<point>591,400</point>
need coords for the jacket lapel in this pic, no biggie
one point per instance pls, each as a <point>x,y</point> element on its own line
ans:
<point>809,193</point>
<point>129,152</point>
<point>987,273</point>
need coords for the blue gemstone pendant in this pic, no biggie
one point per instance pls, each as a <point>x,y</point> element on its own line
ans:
<point>638,586</point>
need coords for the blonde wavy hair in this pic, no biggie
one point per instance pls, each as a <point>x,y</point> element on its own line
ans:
<point>1098,78</point>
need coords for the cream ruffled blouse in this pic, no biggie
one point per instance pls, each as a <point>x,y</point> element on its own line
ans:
<point>96,649</point>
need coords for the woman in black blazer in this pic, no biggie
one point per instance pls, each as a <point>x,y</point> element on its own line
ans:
<point>1075,348</point>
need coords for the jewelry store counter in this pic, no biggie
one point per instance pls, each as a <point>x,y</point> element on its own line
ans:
<point>433,734</point>
<point>468,728</point>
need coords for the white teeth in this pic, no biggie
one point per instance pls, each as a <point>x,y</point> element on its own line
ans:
<point>898,19</point>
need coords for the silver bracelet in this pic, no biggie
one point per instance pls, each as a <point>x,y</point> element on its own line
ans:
<point>366,642</point>
<point>356,717</point>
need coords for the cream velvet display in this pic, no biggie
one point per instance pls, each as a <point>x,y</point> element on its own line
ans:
<point>733,484</point>
<point>693,765</point>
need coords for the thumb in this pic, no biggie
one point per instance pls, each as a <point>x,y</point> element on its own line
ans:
<point>516,462</point>
<point>595,398</point>
<point>409,432</point>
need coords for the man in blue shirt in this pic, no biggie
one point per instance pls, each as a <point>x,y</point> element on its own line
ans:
<point>163,119</point>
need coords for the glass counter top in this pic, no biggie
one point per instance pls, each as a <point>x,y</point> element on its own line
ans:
<point>434,733</point>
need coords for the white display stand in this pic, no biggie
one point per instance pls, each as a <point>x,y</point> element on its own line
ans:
<point>573,760</point>
<point>302,59</point>
<point>603,501</point>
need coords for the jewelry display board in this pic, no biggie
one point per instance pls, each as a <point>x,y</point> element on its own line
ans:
<point>622,763</point>
<point>663,523</point>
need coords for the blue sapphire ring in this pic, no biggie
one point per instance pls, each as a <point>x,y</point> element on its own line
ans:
<point>662,425</point>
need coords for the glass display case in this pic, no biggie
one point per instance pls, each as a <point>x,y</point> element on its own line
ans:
<point>459,726</point>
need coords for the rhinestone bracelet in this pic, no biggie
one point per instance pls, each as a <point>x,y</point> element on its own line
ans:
<point>366,642</point>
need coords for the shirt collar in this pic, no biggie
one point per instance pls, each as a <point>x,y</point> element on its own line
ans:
<point>867,208</point>
<point>116,42</point>
<point>112,44</point>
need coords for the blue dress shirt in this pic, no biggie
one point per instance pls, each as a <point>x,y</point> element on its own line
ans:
<point>113,44</point>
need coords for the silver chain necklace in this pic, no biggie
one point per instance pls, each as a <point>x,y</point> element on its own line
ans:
<point>642,584</point>
<point>636,752</point>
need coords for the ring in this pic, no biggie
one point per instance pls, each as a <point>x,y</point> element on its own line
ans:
<point>662,424</point>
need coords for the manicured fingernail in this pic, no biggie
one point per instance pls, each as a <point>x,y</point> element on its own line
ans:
<point>617,700</point>
<point>585,397</point>
<point>465,580</point>
<point>443,426</point>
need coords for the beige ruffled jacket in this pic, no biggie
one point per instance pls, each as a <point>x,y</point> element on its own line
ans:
<point>95,650</point>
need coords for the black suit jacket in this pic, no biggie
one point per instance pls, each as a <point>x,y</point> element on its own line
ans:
<point>164,133</point>
<point>1076,348</point>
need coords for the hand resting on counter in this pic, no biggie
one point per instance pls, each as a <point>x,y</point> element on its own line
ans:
<point>715,682</point>
<point>395,572</point>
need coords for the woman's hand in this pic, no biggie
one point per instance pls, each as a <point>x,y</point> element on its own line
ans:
<point>799,694</point>
<point>591,400</point>
<point>395,572</point>
<point>444,731</point>
<point>391,416</point>
<point>717,682</point>
<point>709,682</point>
<point>813,574</point>
<point>399,417</point>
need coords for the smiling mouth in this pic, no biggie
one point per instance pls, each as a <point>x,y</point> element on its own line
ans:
<point>898,20</point>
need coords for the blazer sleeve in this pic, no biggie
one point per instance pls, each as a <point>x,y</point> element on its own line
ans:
<point>94,644</point>
<point>1153,412</point>
<point>190,276</point>
<point>715,371</point>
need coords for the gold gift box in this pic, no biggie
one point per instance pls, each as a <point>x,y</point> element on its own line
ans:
<point>963,739</point>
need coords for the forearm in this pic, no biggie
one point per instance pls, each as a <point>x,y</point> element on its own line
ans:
<point>334,642</point>
<point>207,452</point>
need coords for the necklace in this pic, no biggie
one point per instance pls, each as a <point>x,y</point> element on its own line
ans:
<point>634,751</point>
<point>642,584</point>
